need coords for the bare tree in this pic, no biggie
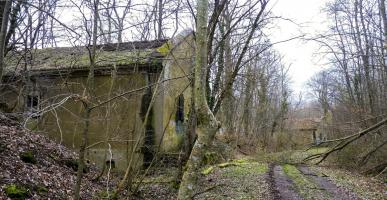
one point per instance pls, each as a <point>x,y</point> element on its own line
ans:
<point>207,125</point>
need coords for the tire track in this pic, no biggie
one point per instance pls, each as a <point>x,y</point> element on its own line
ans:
<point>280,185</point>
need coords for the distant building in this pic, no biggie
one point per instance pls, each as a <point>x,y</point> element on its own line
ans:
<point>37,81</point>
<point>307,130</point>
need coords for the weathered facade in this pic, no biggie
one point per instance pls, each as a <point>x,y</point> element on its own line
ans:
<point>307,131</point>
<point>40,85</point>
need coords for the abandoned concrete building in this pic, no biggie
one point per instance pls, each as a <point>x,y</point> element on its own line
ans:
<point>307,131</point>
<point>39,85</point>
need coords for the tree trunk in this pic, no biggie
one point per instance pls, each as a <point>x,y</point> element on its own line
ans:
<point>228,99</point>
<point>207,125</point>
<point>88,95</point>
<point>384,41</point>
<point>160,20</point>
<point>82,149</point>
<point>248,93</point>
<point>5,8</point>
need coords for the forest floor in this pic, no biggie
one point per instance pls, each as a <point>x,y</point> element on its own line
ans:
<point>261,178</point>
<point>34,167</point>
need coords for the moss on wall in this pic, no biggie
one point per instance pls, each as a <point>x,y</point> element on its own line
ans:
<point>62,58</point>
<point>165,48</point>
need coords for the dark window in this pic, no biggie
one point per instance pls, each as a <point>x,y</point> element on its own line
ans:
<point>32,101</point>
<point>111,163</point>
<point>180,109</point>
<point>180,114</point>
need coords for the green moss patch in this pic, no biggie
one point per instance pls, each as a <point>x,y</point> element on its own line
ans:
<point>289,157</point>
<point>238,179</point>
<point>16,192</point>
<point>41,189</point>
<point>165,48</point>
<point>72,58</point>
<point>246,169</point>
<point>208,170</point>
<point>211,158</point>
<point>28,157</point>
<point>238,168</point>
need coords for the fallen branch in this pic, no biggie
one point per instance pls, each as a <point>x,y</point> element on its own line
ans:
<point>243,152</point>
<point>382,172</point>
<point>344,141</point>
<point>376,169</point>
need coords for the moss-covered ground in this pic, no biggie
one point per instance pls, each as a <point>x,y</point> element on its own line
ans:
<point>239,179</point>
<point>252,179</point>
<point>289,157</point>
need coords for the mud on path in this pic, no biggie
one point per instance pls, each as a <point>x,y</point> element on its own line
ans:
<point>281,186</point>
<point>333,190</point>
<point>291,182</point>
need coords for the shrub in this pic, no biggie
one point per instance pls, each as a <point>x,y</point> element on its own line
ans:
<point>16,192</point>
<point>28,157</point>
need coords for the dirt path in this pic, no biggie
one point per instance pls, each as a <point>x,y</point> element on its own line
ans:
<point>281,186</point>
<point>251,180</point>
<point>302,183</point>
<point>335,192</point>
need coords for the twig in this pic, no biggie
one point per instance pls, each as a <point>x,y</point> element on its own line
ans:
<point>368,155</point>
<point>207,190</point>
<point>108,173</point>
<point>384,170</point>
<point>48,108</point>
<point>344,141</point>
<point>106,141</point>
<point>137,90</point>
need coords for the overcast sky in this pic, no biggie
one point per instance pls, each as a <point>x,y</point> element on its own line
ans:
<point>299,54</point>
<point>306,18</point>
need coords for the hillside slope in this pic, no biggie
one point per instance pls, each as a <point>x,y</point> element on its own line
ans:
<point>35,167</point>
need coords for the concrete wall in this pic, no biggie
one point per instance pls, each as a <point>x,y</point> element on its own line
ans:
<point>120,119</point>
<point>178,63</point>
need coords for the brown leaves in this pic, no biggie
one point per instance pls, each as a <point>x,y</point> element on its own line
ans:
<point>47,172</point>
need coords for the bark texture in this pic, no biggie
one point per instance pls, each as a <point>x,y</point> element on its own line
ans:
<point>5,8</point>
<point>207,125</point>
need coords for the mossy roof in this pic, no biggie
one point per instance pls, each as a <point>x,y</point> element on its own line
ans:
<point>62,58</point>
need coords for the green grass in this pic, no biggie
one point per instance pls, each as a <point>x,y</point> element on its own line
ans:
<point>246,169</point>
<point>289,157</point>
<point>16,192</point>
<point>239,179</point>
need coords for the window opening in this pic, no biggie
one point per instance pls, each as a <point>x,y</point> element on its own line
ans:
<point>33,101</point>
<point>180,114</point>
